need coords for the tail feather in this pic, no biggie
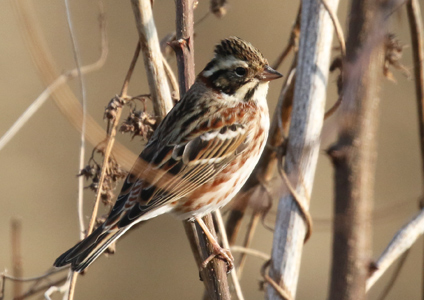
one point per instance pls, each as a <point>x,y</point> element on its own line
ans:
<point>85,252</point>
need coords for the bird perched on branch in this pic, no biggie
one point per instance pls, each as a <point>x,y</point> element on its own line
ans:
<point>200,155</point>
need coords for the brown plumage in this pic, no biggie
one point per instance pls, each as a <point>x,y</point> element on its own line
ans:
<point>206,147</point>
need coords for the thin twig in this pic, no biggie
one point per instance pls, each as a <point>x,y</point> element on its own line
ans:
<point>17,268</point>
<point>226,244</point>
<point>75,51</point>
<point>337,28</point>
<point>302,204</point>
<point>281,289</point>
<point>401,242</point>
<point>252,252</point>
<point>396,272</point>
<point>171,77</point>
<point>291,45</point>
<point>340,36</point>
<point>41,288</point>
<point>254,220</point>
<point>111,139</point>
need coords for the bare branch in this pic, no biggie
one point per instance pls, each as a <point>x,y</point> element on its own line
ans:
<point>396,272</point>
<point>401,242</point>
<point>316,31</point>
<point>354,154</point>
<point>417,40</point>
<point>159,89</point>
<point>214,275</point>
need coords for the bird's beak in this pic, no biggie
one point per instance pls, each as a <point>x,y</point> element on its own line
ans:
<point>269,74</point>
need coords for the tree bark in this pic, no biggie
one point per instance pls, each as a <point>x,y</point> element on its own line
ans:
<point>354,153</point>
<point>316,32</point>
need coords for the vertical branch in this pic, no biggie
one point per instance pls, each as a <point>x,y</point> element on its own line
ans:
<point>17,269</point>
<point>183,45</point>
<point>316,31</point>
<point>159,89</point>
<point>354,153</point>
<point>417,40</point>
<point>214,275</point>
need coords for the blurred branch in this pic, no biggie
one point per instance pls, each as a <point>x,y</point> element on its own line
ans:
<point>4,277</point>
<point>41,288</point>
<point>17,268</point>
<point>60,80</point>
<point>77,60</point>
<point>250,251</point>
<point>292,44</point>
<point>401,242</point>
<point>159,89</point>
<point>417,39</point>
<point>316,31</point>
<point>394,277</point>
<point>354,153</point>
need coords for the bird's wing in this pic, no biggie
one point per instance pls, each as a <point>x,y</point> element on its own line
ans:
<point>179,166</point>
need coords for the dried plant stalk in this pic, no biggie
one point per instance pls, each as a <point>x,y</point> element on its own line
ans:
<point>159,89</point>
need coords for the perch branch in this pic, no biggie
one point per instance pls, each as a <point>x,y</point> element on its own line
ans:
<point>214,275</point>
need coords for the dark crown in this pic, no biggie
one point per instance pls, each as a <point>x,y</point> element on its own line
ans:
<point>242,50</point>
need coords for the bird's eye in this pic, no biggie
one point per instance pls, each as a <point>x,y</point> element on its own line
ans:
<point>240,71</point>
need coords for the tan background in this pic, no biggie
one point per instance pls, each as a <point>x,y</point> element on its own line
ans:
<point>38,182</point>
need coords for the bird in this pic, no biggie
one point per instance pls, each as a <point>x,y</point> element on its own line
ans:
<point>199,156</point>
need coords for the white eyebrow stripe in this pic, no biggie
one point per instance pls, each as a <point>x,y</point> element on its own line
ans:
<point>225,63</point>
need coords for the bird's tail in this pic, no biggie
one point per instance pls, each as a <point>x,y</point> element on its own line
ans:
<point>85,252</point>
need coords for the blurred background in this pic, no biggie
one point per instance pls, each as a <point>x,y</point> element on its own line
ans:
<point>38,181</point>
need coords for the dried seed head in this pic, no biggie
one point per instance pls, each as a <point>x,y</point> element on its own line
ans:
<point>393,51</point>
